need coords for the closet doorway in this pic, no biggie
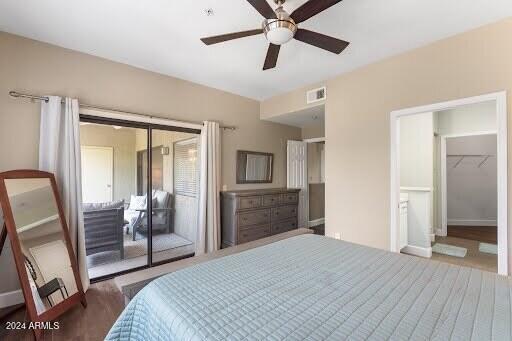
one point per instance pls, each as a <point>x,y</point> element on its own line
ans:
<point>306,171</point>
<point>316,184</point>
<point>446,202</point>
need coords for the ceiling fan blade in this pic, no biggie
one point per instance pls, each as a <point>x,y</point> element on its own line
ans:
<point>311,8</point>
<point>322,41</point>
<point>230,36</point>
<point>272,54</point>
<point>264,8</point>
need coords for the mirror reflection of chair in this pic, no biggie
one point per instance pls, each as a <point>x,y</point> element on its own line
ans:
<point>47,289</point>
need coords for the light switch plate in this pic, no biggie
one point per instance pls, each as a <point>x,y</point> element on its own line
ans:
<point>337,235</point>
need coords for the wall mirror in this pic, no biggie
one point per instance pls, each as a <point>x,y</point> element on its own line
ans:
<point>45,261</point>
<point>254,167</point>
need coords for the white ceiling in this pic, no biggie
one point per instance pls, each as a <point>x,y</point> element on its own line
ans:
<point>163,35</point>
<point>301,118</point>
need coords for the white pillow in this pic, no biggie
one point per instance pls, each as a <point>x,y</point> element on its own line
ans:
<point>137,202</point>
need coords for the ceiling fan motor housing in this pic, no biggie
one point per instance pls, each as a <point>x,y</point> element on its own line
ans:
<point>281,30</point>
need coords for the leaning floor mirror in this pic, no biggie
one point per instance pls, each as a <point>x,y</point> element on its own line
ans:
<point>41,245</point>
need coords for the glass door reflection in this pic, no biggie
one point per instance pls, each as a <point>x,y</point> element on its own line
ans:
<point>175,194</point>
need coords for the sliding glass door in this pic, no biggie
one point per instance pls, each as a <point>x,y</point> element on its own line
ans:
<point>174,179</point>
<point>140,194</point>
<point>112,205</point>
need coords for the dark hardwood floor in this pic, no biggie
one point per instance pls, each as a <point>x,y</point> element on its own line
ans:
<point>319,229</point>
<point>486,234</point>
<point>104,304</point>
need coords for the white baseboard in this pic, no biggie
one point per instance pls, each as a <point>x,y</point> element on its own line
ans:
<point>473,222</point>
<point>425,252</point>
<point>11,298</point>
<point>440,233</point>
<point>316,222</point>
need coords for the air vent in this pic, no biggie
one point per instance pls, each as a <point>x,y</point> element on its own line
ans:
<point>316,95</point>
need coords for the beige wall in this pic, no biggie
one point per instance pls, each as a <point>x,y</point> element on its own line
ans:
<point>316,201</point>
<point>357,119</point>
<point>290,102</point>
<point>45,69</point>
<point>313,130</point>
<point>316,164</point>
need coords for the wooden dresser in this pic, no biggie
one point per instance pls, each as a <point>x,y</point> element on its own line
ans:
<point>247,215</point>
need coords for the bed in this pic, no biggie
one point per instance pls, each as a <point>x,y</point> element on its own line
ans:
<point>312,287</point>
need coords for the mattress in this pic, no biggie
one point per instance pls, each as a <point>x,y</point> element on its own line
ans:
<point>316,288</point>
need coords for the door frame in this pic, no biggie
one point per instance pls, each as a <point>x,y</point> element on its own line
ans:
<point>315,139</point>
<point>111,163</point>
<point>443,204</point>
<point>316,222</point>
<point>500,99</point>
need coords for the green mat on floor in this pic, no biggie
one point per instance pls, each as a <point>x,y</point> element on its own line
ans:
<point>449,250</point>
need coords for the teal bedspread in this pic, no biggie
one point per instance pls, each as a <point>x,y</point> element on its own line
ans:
<point>316,288</point>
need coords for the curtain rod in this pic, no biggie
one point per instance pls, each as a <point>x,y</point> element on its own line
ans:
<point>16,94</point>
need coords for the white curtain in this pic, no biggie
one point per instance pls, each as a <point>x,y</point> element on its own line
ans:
<point>208,234</point>
<point>59,153</point>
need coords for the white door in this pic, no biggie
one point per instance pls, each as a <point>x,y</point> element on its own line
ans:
<point>297,156</point>
<point>97,174</point>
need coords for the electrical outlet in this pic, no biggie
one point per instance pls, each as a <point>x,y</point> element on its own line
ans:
<point>337,235</point>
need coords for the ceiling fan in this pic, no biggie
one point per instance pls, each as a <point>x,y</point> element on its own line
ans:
<point>280,27</point>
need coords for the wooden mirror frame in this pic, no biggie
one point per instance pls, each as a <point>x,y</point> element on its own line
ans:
<point>241,164</point>
<point>79,297</point>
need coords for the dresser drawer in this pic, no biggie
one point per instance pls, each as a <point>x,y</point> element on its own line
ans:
<point>284,212</point>
<point>249,202</point>
<point>253,233</point>
<point>254,218</point>
<point>289,198</point>
<point>270,200</point>
<point>284,226</point>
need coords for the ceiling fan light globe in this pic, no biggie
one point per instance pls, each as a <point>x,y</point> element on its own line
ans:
<point>279,35</point>
<point>281,30</point>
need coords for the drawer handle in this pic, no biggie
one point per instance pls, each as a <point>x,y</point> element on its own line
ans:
<point>277,213</point>
<point>244,218</point>
<point>250,202</point>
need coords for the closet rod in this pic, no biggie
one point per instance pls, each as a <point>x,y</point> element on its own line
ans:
<point>16,94</point>
<point>462,156</point>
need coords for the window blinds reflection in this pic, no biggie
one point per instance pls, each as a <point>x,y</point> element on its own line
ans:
<point>186,167</point>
